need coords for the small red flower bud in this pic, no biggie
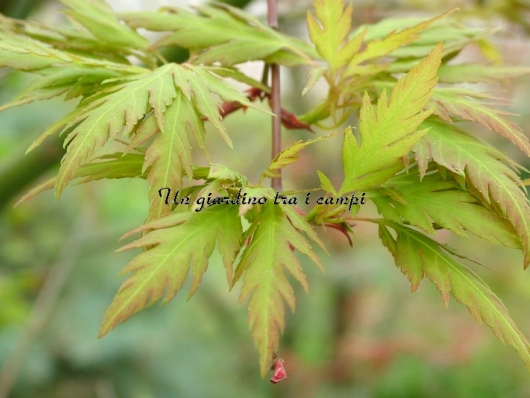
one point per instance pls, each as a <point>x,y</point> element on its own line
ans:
<point>279,371</point>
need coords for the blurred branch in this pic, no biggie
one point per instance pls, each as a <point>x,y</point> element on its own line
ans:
<point>45,302</point>
<point>19,9</point>
<point>17,172</point>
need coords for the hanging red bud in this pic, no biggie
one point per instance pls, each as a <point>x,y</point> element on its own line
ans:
<point>279,371</point>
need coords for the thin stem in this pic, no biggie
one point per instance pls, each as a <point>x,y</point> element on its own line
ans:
<point>272,19</point>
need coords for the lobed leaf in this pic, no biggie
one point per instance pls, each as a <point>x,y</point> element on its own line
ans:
<point>178,243</point>
<point>99,19</point>
<point>329,30</point>
<point>392,41</point>
<point>436,200</point>
<point>115,113</point>
<point>169,157</point>
<point>490,173</point>
<point>418,256</point>
<point>459,103</point>
<point>273,237</point>
<point>199,95</point>
<point>389,130</point>
<point>220,33</point>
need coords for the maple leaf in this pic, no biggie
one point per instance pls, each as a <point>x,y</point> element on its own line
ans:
<point>389,130</point>
<point>418,256</point>
<point>98,18</point>
<point>179,242</point>
<point>121,110</point>
<point>330,32</point>
<point>273,236</point>
<point>169,155</point>
<point>115,113</point>
<point>23,53</point>
<point>459,102</point>
<point>418,36</point>
<point>392,41</point>
<point>220,33</point>
<point>491,174</point>
<point>443,202</point>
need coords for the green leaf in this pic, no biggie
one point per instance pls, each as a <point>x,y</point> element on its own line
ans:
<point>459,103</point>
<point>273,237</point>
<point>312,77</point>
<point>199,93</point>
<point>490,173</point>
<point>326,184</point>
<point>477,73</point>
<point>115,113</point>
<point>417,256</point>
<point>290,155</point>
<point>169,157</point>
<point>23,53</point>
<point>330,31</point>
<point>74,81</point>
<point>392,41</point>
<point>220,33</point>
<point>99,19</point>
<point>111,166</point>
<point>444,203</point>
<point>178,243</point>
<point>227,175</point>
<point>418,39</point>
<point>389,130</point>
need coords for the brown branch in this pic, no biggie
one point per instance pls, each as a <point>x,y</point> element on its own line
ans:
<point>272,19</point>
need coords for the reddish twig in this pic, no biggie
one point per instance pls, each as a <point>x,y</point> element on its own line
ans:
<point>288,119</point>
<point>272,19</point>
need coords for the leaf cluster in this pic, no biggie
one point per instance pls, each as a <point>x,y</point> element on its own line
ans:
<point>139,116</point>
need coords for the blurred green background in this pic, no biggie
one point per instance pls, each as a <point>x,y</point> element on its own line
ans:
<point>359,333</point>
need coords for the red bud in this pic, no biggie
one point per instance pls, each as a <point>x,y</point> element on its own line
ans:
<point>279,371</point>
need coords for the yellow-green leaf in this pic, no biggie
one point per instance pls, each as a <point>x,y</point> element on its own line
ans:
<point>389,130</point>
<point>178,244</point>
<point>418,256</point>
<point>273,238</point>
<point>489,172</point>
<point>464,104</point>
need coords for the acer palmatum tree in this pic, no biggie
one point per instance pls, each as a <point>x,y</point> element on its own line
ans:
<point>408,154</point>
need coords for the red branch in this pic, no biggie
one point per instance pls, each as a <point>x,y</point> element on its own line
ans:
<point>289,120</point>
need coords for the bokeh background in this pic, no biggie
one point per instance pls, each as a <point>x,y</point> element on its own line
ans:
<point>359,332</point>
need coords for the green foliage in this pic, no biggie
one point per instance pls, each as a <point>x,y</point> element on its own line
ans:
<point>138,116</point>
<point>390,130</point>
<point>273,236</point>
<point>417,256</point>
<point>186,239</point>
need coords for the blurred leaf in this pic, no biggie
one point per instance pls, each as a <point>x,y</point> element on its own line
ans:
<point>417,255</point>
<point>220,33</point>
